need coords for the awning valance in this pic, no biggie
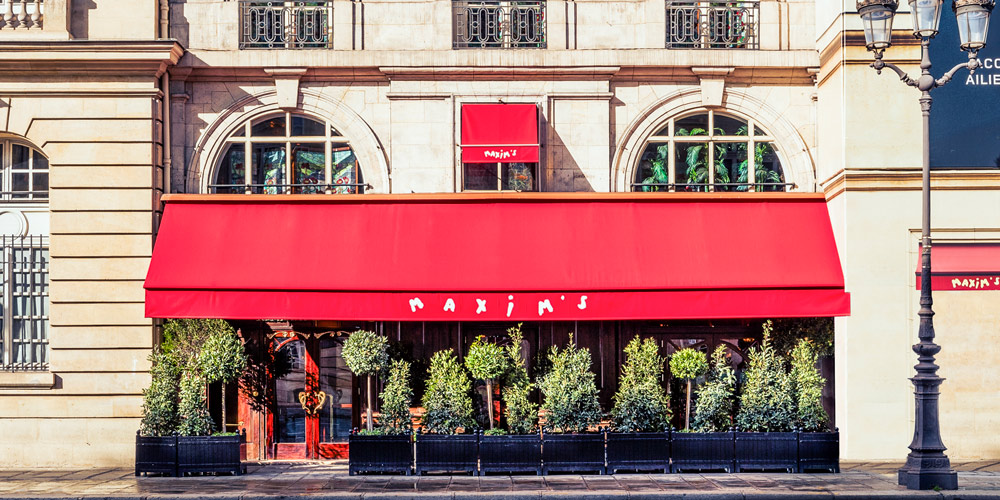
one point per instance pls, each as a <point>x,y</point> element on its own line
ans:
<point>495,257</point>
<point>964,266</point>
<point>504,133</point>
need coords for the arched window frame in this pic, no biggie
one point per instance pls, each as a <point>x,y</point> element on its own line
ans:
<point>36,174</point>
<point>755,134</point>
<point>243,134</point>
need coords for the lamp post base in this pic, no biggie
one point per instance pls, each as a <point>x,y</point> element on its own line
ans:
<point>927,478</point>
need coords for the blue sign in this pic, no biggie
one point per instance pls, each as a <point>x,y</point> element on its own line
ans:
<point>965,114</point>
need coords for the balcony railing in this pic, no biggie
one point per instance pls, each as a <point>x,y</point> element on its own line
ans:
<point>273,24</point>
<point>498,25</point>
<point>21,14</point>
<point>712,24</point>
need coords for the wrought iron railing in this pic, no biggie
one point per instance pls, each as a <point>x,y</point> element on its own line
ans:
<point>717,186</point>
<point>21,14</point>
<point>340,188</point>
<point>498,25</point>
<point>712,24</point>
<point>273,24</point>
<point>24,290</point>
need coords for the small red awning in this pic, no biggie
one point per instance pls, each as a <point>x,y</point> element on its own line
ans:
<point>964,266</point>
<point>504,133</point>
<point>537,256</point>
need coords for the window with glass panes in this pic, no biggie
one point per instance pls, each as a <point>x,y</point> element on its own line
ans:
<point>499,176</point>
<point>25,172</point>
<point>24,336</point>
<point>710,151</point>
<point>288,153</point>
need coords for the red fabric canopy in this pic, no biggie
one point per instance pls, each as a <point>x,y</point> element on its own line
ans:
<point>505,133</point>
<point>495,257</point>
<point>964,266</point>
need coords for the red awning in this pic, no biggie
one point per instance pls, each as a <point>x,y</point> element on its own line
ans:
<point>505,133</point>
<point>964,266</point>
<point>495,257</point>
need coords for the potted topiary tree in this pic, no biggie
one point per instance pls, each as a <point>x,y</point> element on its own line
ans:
<point>388,448</point>
<point>447,410</point>
<point>365,354</point>
<point>711,447</point>
<point>641,412</point>
<point>521,450</point>
<point>571,407</point>
<point>818,448</point>
<point>156,439</point>
<point>688,364</point>
<point>486,361</point>
<point>764,439</point>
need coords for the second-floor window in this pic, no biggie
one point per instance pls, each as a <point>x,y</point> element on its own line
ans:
<point>498,24</point>
<point>25,172</point>
<point>273,24</point>
<point>712,24</point>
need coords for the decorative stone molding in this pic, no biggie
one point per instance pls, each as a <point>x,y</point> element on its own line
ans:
<point>286,83</point>
<point>713,83</point>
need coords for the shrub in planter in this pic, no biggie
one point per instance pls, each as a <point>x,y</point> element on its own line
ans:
<point>155,443</point>
<point>195,420</point>
<point>388,448</point>
<point>521,412</point>
<point>817,449</point>
<point>486,361</point>
<point>688,364</point>
<point>717,396</point>
<point>447,408</point>
<point>396,398</point>
<point>640,413</point>
<point>365,354</point>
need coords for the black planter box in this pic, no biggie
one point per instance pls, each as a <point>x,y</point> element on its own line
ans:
<point>573,453</point>
<point>380,454</point>
<point>691,451</point>
<point>638,451</point>
<point>819,451</point>
<point>157,454</point>
<point>209,454</point>
<point>446,452</point>
<point>767,451</point>
<point>510,453</point>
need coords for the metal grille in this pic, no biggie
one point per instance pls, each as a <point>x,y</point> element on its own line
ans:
<point>25,290</point>
<point>498,25</point>
<point>272,24</point>
<point>712,24</point>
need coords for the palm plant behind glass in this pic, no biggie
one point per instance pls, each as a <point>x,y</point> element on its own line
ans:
<point>696,159</point>
<point>762,174</point>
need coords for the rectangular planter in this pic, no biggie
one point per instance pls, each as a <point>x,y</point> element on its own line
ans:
<point>446,452</point>
<point>697,451</point>
<point>819,451</point>
<point>767,451</point>
<point>510,453</point>
<point>209,454</point>
<point>638,451</point>
<point>157,454</point>
<point>573,453</point>
<point>380,454</point>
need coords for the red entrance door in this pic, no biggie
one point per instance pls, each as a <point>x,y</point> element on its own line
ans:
<point>313,414</point>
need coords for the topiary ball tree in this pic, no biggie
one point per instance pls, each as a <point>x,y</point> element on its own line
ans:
<point>365,354</point>
<point>569,390</point>
<point>641,405</point>
<point>447,400</point>
<point>486,361</point>
<point>717,396</point>
<point>396,399</point>
<point>688,364</point>
<point>807,388</point>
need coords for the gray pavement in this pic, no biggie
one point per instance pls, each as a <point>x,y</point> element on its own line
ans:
<point>322,480</point>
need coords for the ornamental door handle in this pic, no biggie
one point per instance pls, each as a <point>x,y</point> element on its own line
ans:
<point>312,401</point>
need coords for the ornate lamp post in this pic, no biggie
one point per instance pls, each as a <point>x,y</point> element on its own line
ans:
<point>926,466</point>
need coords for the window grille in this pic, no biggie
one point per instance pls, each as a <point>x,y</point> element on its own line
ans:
<point>24,343</point>
<point>712,24</point>
<point>273,24</point>
<point>498,25</point>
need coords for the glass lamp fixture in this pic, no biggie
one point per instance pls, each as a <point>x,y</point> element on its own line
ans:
<point>973,18</point>
<point>876,15</point>
<point>926,17</point>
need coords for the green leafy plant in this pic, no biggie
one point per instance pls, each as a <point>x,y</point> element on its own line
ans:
<point>396,399</point>
<point>761,173</point>
<point>641,405</point>
<point>697,159</point>
<point>495,432</point>
<point>570,394</point>
<point>447,403</point>
<point>222,359</point>
<point>193,409</point>
<point>717,396</point>
<point>365,354</point>
<point>766,403</point>
<point>159,401</point>
<point>787,332</point>
<point>807,388</point>
<point>688,364</point>
<point>486,361</point>
<point>658,167</point>
<point>520,410</point>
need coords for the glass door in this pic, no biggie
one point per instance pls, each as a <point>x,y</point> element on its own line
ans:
<point>336,382</point>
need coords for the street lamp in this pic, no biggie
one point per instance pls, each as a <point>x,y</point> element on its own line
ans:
<point>926,466</point>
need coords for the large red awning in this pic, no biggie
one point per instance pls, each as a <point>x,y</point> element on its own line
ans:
<point>504,133</point>
<point>964,266</point>
<point>495,257</point>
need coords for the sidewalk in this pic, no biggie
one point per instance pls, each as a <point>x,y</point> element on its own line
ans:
<point>324,480</point>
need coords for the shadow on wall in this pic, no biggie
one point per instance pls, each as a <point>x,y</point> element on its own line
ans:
<point>80,24</point>
<point>563,173</point>
<point>180,28</point>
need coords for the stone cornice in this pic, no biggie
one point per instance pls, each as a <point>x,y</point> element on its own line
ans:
<point>36,58</point>
<point>858,180</point>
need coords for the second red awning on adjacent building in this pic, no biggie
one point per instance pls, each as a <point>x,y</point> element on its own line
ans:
<point>495,257</point>
<point>499,133</point>
<point>964,266</point>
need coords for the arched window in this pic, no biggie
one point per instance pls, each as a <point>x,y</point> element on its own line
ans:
<point>289,153</point>
<point>25,172</point>
<point>708,151</point>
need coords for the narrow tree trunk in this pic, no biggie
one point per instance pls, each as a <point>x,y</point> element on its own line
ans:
<point>489,397</point>
<point>369,411</point>
<point>687,411</point>
<point>223,400</point>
